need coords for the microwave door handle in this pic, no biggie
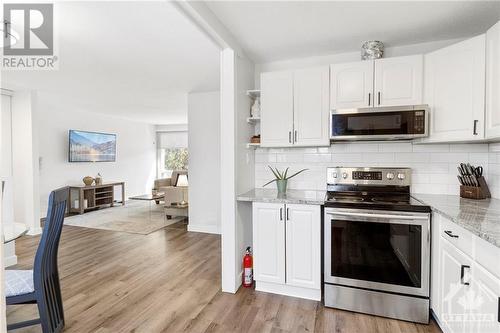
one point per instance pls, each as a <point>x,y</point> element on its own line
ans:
<point>384,216</point>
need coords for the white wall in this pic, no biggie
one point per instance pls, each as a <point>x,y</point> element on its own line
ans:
<point>135,150</point>
<point>346,57</point>
<point>24,160</point>
<point>434,166</point>
<point>237,164</point>
<point>204,162</point>
<point>245,159</point>
<point>7,197</point>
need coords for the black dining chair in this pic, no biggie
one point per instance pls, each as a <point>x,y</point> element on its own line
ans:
<point>41,285</point>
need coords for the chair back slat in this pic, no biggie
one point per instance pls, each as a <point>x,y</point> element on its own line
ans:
<point>45,275</point>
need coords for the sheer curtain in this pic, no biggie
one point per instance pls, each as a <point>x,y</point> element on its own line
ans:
<point>172,152</point>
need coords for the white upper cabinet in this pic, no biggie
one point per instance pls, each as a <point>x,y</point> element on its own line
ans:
<point>303,249</point>
<point>277,109</point>
<point>382,82</point>
<point>398,81</point>
<point>351,85</point>
<point>454,88</point>
<point>295,108</point>
<point>310,110</point>
<point>493,82</point>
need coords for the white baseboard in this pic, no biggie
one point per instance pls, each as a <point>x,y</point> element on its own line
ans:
<point>10,261</point>
<point>283,289</point>
<point>208,229</point>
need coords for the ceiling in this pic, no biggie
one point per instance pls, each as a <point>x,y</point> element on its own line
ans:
<point>278,30</point>
<point>135,60</point>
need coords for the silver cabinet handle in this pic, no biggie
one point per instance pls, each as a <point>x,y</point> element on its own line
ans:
<point>384,216</point>
<point>474,131</point>
<point>379,98</point>
<point>462,275</point>
<point>288,214</point>
<point>281,214</point>
<point>295,139</point>
<point>289,136</point>
<point>369,98</point>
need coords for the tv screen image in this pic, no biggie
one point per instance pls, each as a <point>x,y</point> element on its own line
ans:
<point>91,146</point>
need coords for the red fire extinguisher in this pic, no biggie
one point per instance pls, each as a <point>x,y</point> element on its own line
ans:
<point>248,269</point>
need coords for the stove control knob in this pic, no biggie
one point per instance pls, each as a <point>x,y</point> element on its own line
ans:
<point>334,175</point>
<point>390,176</point>
<point>344,175</point>
<point>401,176</point>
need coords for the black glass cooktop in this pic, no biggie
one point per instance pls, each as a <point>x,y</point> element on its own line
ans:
<point>374,200</point>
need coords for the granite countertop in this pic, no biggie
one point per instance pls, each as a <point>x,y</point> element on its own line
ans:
<point>481,217</point>
<point>291,197</point>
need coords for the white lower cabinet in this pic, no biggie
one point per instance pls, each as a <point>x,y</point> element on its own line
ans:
<point>287,249</point>
<point>465,296</point>
<point>485,301</point>
<point>455,270</point>
<point>269,242</point>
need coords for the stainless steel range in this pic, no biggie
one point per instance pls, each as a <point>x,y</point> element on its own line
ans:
<point>376,244</point>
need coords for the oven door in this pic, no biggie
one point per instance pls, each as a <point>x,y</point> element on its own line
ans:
<point>378,124</point>
<point>378,250</point>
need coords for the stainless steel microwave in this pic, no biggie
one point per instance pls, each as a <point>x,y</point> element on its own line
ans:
<point>384,123</point>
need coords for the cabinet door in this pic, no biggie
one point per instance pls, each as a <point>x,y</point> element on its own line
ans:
<point>351,85</point>
<point>493,82</point>
<point>276,109</point>
<point>455,90</point>
<point>435,271</point>
<point>269,242</point>
<point>303,246</point>
<point>453,290</point>
<point>484,301</point>
<point>310,109</point>
<point>398,81</point>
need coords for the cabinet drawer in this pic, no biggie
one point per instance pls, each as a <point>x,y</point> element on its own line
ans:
<point>487,255</point>
<point>456,235</point>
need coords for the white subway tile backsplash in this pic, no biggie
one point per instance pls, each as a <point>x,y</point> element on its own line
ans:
<point>431,148</point>
<point>317,157</point>
<point>373,158</point>
<point>358,147</point>
<point>265,158</point>
<point>342,158</point>
<point>478,159</point>
<point>495,147</point>
<point>455,158</point>
<point>289,158</point>
<point>468,147</point>
<point>339,147</point>
<point>434,166</point>
<point>395,147</point>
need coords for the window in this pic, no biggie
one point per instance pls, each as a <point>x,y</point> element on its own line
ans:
<point>172,152</point>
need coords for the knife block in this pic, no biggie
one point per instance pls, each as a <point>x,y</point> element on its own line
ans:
<point>476,192</point>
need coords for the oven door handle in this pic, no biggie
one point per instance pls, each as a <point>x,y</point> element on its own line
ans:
<point>383,216</point>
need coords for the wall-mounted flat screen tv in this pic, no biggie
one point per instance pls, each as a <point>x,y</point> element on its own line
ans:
<point>91,146</point>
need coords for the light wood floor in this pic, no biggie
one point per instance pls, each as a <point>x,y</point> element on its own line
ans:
<point>169,281</point>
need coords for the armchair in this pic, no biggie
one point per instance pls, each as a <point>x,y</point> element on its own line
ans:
<point>172,192</point>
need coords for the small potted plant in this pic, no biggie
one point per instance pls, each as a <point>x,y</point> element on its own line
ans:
<point>281,178</point>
